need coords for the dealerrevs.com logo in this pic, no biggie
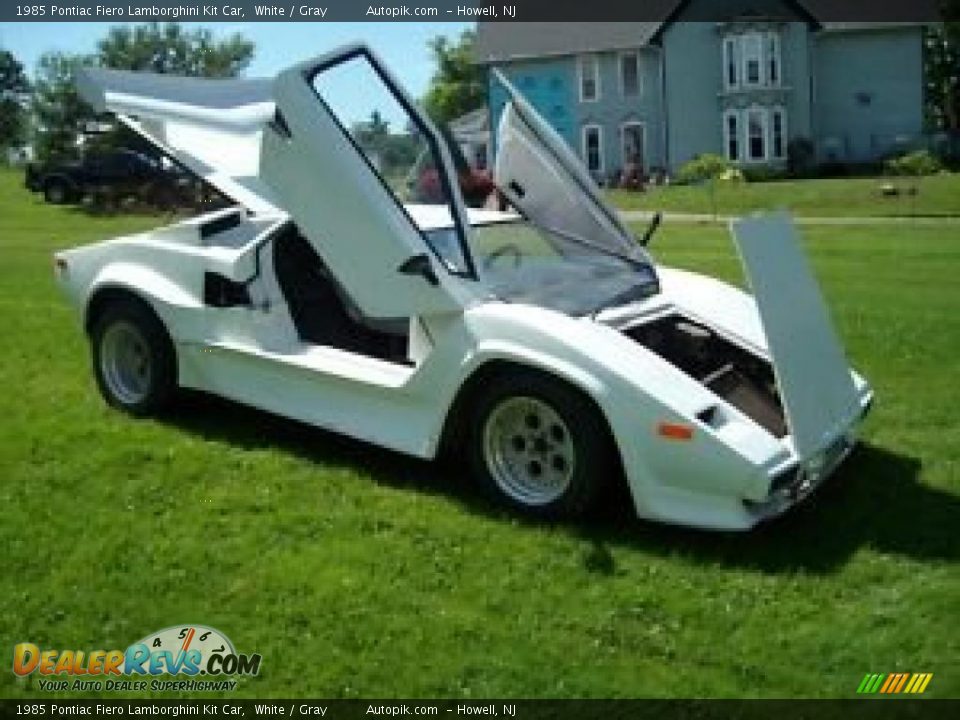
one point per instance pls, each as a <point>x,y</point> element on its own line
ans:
<point>199,657</point>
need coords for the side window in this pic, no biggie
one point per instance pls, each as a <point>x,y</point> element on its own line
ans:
<point>756,135</point>
<point>731,133</point>
<point>593,149</point>
<point>630,74</point>
<point>387,135</point>
<point>589,69</point>
<point>393,140</point>
<point>752,54</point>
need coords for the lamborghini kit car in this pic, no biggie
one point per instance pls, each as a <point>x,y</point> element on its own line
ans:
<point>537,335</point>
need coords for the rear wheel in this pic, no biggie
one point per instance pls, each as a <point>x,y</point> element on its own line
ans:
<point>57,192</point>
<point>539,445</point>
<point>133,358</point>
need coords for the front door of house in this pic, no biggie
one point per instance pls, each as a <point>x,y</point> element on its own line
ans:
<point>632,146</point>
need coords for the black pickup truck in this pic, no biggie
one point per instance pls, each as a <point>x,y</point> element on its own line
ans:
<point>118,174</point>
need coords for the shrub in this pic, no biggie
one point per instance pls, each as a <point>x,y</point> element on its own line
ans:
<point>763,173</point>
<point>800,156</point>
<point>914,164</point>
<point>703,167</point>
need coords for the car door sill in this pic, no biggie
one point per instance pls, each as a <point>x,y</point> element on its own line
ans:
<point>327,361</point>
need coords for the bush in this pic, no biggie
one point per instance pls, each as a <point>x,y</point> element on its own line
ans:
<point>914,164</point>
<point>704,167</point>
<point>763,173</point>
<point>800,157</point>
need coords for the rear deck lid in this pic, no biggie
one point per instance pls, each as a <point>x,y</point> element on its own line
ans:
<point>213,127</point>
<point>816,384</point>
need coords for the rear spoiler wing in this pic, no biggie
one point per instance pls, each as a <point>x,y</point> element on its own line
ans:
<point>212,127</point>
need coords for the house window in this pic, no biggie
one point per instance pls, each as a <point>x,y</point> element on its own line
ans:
<point>752,51</point>
<point>593,148</point>
<point>589,67</point>
<point>731,135</point>
<point>731,75</point>
<point>773,59</point>
<point>778,133</point>
<point>630,74</point>
<point>756,135</point>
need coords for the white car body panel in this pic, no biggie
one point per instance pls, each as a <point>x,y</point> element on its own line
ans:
<point>814,376</point>
<point>728,475</point>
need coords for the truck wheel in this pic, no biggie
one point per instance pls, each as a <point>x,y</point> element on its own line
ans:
<point>57,192</point>
<point>540,446</point>
<point>133,359</point>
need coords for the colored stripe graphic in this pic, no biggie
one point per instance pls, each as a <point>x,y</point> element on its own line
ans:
<point>901,683</point>
<point>894,683</point>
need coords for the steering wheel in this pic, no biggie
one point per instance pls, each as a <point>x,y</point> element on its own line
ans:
<point>508,249</point>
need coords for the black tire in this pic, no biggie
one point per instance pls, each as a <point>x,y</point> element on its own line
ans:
<point>57,192</point>
<point>131,316</point>
<point>594,461</point>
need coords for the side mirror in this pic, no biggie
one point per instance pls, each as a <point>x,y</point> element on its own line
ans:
<point>419,265</point>
<point>651,229</point>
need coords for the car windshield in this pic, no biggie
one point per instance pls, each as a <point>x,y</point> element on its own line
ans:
<point>521,262</point>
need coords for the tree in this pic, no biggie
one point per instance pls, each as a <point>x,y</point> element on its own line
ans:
<point>942,69</point>
<point>707,169</point>
<point>172,49</point>
<point>458,85</point>
<point>60,113</point>
<point>915,166</point>
<point>13,90</point>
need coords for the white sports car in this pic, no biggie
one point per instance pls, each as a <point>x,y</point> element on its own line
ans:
<point>351,288</point>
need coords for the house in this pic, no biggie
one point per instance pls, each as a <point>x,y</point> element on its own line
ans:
<point>742,83</point>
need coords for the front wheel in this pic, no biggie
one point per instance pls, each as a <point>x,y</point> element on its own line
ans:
<point>133,358</point>
<point>540,446</point>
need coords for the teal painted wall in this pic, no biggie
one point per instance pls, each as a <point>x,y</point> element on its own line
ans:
<point>694,82</point>
<point>868,90</point>
<point>613,109</point>
<point>549,85</point>
<point>860,93</point>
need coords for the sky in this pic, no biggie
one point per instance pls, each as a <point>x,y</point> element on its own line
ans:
<point>403,45</point>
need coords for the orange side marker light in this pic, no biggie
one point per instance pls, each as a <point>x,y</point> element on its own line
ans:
<point>675,431</point>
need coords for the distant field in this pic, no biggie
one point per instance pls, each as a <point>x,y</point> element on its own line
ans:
<point>938,196</point>
<point>358,573</point>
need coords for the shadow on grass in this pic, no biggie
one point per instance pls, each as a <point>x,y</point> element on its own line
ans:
<point>875,500</point>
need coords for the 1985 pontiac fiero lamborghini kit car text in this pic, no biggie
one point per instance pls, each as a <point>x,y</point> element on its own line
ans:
<point>541,339</point>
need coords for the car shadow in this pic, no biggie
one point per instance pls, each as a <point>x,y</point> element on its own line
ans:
<point>875,500</point>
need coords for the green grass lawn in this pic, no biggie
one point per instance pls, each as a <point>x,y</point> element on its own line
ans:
<point>938,195</point>
<point>357,572</point>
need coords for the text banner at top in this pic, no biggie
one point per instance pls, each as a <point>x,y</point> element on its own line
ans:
<point>814,11</point>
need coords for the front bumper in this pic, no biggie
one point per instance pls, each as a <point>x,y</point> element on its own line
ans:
<point>794,484</point>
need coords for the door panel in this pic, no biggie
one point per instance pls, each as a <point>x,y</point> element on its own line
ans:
<point>539,174</point>
<point>338,197</point>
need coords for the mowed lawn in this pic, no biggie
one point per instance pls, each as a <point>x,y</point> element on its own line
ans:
<point>359,573</point>
<point>938,196</point>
